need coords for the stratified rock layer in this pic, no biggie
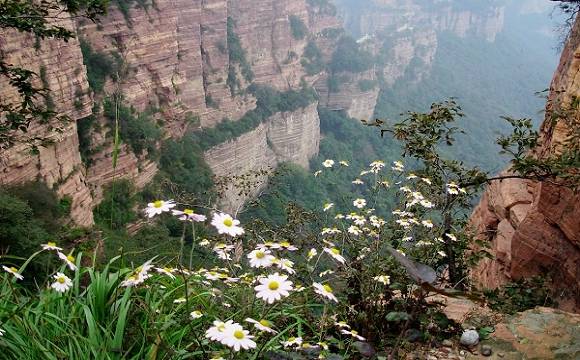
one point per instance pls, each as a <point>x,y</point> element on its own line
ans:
<point>285,137</point>
<point>58,163</point>
<point>533,228</point>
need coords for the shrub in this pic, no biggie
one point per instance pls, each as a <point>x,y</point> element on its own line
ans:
<point>117,207</point>
<point>137,129</point>
<point>349,57</point>
<point>298,28</point>
<point>312,61</point>
<point>99,66</point>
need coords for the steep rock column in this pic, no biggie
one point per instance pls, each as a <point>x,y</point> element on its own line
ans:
<point>58,164</point>
<point>533,228</point>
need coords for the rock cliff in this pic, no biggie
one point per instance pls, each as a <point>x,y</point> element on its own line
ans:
<point>58,164</point>
<point>533,227</point>
<point>284,137</point>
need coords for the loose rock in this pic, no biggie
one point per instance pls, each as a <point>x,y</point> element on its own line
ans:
<point>469,338</point>
<point>486,350</point>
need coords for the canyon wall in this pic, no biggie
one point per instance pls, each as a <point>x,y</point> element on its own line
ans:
<point>532,227</point>
<point>173,57</point>
<point>291,136</point>
<point>58,164</point>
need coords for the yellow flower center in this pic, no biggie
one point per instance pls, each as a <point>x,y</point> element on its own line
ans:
<point>13,269</point>
<point>50,243</point>
<point>61,280</point>
<point>327,288</point>
<point>158,204</point>
<point>221,327</point>
<point>260,254</point>
<point>169,270</point>
<point>273,285</point>
<point>70,258</point>
<point>265,322</point>
<point>188,212</point>
<point>285,244</point>
<point>335,251</point>
<point>239,334</point>
<point>354,332</point>
<point>228,222</point>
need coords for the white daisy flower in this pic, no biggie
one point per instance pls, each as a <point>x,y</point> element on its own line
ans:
<point>50,246</point>
<point>131,280</point>
<point>452,191</point>
<point>423,243</point>
<point>358,181</point>
<point>377,165</point>
<point>451,237</point>
<point>359,203</point>
<point>324,290</point>
<point>364,172</point>
<point>442,253</point>
<point>339,216</point>
<point>412,176</point>
<point>287,246</point>
<point>292,341</point>
<point>427,223</point>
<point>2,332</point>
<point>158,207</point>
<point>353,333</point>
<point>262,325</point>
<point>360,220</point>
<point>343,163</point>
<point>62,283</point>
<point>317,172</point>
<point>342,324</point>
<point>261,258</point>
<point>204,243</point>
<point>327,206</point>
<point>330,231</point>
<point>69,260</point>
<point>311,254</point>
<point>285,265</point>
<point>180,300</point>
<point>385,184</point>
<point>217,331</point>
<point>335,253</point>
<point>355,230</point>
<point>13,271</point>
<point>439,240</point>
<point>166,271</point>
<point>273,288</point>
<point>196,314</point>
<point>384,279</point>
<point>189,215</point>
<point>427,181</point>
<point>237,338</point>
<point>398,166</point>
<point>328,163</point>
<point>326,272</point>
<point>405,189</point>
<point>426,204</point>
<point>225,224</point>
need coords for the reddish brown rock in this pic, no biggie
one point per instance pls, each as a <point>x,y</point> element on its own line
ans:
<point>58,164</point>
<point>533,228</point>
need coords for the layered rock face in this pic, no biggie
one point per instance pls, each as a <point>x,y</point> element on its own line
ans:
<point>58,164</point>
<point>533,228</point>
<point>285,137</point>
<point>352,96</point>
<point>406,32</point>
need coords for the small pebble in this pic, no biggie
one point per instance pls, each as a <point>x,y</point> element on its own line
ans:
<point>469,338</point>
<point>486,350</point>
<point>500,354</point>
<point>447,343</point>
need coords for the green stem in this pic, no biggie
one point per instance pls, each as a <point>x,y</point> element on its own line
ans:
<point>193,241</point>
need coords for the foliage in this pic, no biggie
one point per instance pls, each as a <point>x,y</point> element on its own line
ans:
<point>520,295</point>
<point>269,102</point>
<point>35,19</point>
<point>367,85</point>
<point>100,66</point>
<point>117,207</point>
<point>312,60</point>
<point>137,129</point>
<point>350,57</point>
<point>237,56</point>
<point>183,164</point>
<point>298,28</point>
